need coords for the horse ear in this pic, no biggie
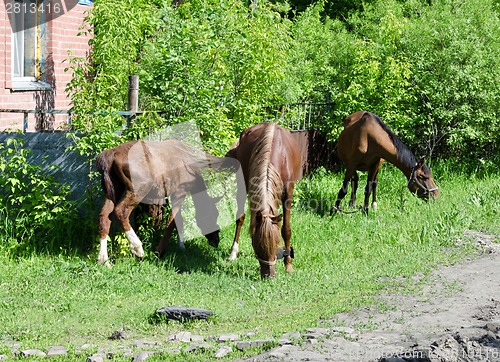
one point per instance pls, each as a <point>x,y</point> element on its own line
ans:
<point>277,219</point>
<point>421,162</point>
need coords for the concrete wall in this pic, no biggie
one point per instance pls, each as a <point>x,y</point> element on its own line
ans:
<point>50,149</point>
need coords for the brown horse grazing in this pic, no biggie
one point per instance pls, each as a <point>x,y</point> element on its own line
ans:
<point>148,172</point>
<point>364,144</point>
<point>271,163</point>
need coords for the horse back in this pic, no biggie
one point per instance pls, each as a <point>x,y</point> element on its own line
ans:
<point>364,140</point>
<point>287,155</point>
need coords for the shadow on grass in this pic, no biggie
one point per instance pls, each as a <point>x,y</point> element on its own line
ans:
<point>195,258</point>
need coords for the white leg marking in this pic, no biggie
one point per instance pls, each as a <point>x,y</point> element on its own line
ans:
<point>103,252</point>
<point>234,251</point>
<point>374,206</point>
<point>180,244</point>
<point>135,243</point>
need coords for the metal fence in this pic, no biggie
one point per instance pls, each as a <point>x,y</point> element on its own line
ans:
<point>41,113</point>
<point>299,116</point>
<point>128,115</point>
<point>296,117</point>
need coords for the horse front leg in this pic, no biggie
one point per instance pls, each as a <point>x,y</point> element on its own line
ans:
<point>235,248</point>
<point>241,197</point>
<point>162,246</point>
<point>371,185</point>
<point>374,194</point>
<point>368,191</point>
<point>286,231</point>
<point>104,225</point>
<point>176,220</point>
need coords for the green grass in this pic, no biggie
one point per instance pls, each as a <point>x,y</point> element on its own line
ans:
<point>53,299</point>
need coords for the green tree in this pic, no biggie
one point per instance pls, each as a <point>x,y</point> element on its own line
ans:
<point>454,51</point>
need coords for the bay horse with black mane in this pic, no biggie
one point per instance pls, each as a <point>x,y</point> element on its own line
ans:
<point>364,144</point>
<point>271,162</point>
<point>149,172</point>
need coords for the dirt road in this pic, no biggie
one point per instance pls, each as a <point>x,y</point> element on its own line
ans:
<point>455,317</point>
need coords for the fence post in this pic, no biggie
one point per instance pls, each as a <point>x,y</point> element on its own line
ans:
<point>133,96</point>
<point>25,122</point>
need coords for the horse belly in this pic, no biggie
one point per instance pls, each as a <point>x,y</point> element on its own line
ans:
<point>363,166</point>
<point>351,152</point>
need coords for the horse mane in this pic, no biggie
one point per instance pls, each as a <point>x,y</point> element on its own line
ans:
<point>403,152</point>
<point>264,189</point>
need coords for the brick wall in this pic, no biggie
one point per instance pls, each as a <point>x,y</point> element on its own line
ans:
<point>60,36</point>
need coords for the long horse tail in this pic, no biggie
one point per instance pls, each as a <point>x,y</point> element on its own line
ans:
<point>265,189</point>
<point>104,166</point>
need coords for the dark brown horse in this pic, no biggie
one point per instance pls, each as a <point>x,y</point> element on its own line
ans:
<point>364,144</point>
<point>148,172</point>
<point>271,164</point>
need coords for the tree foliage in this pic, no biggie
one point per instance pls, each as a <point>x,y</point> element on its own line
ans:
<point>427,67</point>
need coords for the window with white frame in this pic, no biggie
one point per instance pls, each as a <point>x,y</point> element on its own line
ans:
<point>27,46</point>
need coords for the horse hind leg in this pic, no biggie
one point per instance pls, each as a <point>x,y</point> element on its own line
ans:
<point>354,189</point>
<point>343,190</point>
<point>122,212</point>
<point>104,225</point>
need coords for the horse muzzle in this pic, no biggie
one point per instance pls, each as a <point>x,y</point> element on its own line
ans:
<point>267,271</point>
<point>267,268</point>
<point>435,194</point>
<point>422,190</point>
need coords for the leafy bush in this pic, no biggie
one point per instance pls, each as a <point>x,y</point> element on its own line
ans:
<point>34,209</point>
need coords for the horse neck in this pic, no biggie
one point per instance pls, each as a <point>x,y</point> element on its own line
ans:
<point>264,180</point>
<point>403,159</point>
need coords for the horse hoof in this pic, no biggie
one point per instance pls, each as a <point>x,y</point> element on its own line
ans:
<point>139,254</point>
<point>106,263</point>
